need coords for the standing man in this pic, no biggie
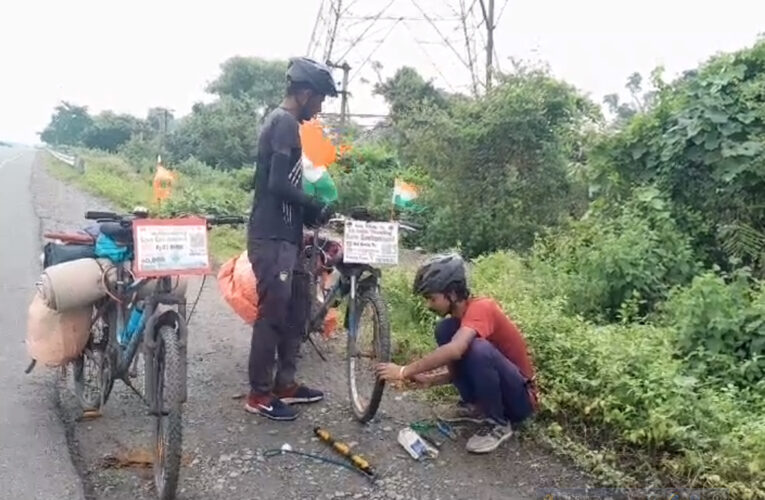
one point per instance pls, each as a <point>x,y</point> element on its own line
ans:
<point>274,244</point>
<point>484,351</point>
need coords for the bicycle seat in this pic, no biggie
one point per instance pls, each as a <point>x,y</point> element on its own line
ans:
<point>118,232</point>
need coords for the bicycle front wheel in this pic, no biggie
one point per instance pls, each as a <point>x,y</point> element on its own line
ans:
<point>368,344</point>
<point>168,428</point>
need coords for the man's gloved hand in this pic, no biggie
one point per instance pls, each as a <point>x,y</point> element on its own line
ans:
<point>325,213</point>
<point>318,214</point>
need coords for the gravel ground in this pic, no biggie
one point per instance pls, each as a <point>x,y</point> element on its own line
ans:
<point>224,446</point>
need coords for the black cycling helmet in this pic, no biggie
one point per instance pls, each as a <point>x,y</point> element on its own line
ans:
<point>315,74</point>
<point>435,275</point>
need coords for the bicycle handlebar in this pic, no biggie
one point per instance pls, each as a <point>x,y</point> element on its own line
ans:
<point>219,220</point>
<point>98,215</point>
<point>213,220</point>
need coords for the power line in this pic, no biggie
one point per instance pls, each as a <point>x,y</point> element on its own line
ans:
<point>403,18</point>
<point>435,66</point>
<point>319,17</point>
<point>360,37</point>
<point>345,11</point>
<point>446,40</point>
<point>379,44</point>
<point>501,11</point>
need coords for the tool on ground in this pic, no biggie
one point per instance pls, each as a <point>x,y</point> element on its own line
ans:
<point>276,451</point>
<point>425,428</point>
<point>417,447</point>
<point>344,450</point>
<point>446,429</point>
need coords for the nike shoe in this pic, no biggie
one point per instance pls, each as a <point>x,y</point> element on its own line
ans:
<point>299,394</point>
<point>270,407</point>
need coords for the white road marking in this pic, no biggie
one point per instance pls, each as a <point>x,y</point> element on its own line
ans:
<point>2,163</point>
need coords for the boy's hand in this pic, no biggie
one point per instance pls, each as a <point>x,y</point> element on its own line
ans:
<point>421,380</point>
<point>389,372</point>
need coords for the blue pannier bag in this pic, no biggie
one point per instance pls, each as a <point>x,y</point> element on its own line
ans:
<point>107,248</point>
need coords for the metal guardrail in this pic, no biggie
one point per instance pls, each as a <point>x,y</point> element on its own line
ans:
<point>72,161</point>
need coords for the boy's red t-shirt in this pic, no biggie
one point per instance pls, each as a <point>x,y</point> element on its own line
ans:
<point>486,317</point>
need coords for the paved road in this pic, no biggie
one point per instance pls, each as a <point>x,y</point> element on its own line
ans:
<point>224,446</point>
<point>34,459</point>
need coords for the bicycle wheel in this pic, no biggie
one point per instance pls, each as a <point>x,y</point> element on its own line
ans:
<point>368,344</point>
<point>92,371</point>
<point>168,426</point>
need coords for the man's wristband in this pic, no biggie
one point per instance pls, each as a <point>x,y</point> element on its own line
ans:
<point>401,373</point>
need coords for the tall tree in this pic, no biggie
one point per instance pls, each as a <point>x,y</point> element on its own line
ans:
<point>260,80</point>
<point>407,91</point>
<point>221,134</point>
<point>109,131</point>
<point>67,125</point>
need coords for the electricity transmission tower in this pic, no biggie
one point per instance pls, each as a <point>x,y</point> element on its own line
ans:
<point>453,36</point>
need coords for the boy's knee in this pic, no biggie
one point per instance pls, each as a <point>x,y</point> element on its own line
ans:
<point>445,330</point>
<point>479,351</point>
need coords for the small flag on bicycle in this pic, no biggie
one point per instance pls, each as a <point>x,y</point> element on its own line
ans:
<point>404,194</point>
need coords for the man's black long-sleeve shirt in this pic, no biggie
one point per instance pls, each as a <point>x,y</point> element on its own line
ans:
<point>281,205</point>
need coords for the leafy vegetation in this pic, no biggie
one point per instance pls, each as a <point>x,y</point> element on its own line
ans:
<point>630,252</point>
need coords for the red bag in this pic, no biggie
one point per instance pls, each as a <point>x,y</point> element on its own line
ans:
<point>239,288</point>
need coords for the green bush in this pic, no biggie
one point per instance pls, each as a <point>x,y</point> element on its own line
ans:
<point>721,327</point>
<point>619,262</point>
<point>703,145</point>
<point>501,165</point>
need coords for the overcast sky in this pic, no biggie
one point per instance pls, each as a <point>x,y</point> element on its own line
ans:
<point>130,56</point>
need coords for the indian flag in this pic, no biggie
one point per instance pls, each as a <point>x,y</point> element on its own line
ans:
<point>317,182</point>
<point>404,194</point>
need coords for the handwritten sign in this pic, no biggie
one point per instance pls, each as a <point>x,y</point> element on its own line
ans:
<point>374,243</point>
<point>170,247</point>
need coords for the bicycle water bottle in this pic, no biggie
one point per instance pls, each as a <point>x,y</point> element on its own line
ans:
<point>133,324</point>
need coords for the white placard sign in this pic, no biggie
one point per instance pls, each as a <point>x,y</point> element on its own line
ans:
<point>170,247</point>
<point>373,243</point>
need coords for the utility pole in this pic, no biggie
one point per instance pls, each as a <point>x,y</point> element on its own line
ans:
<point>343,92</point>
<point>488,17</point>
<point>468,48</point>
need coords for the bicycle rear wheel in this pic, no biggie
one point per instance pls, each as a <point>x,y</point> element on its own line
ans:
<point>168,425</point>
<point>368,344</point>
<point>92,371</point>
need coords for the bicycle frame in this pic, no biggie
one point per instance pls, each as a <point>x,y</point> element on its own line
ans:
<point>352,278</point>
<point>152,317</point>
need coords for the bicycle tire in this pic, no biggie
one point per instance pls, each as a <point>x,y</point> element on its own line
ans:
<point>168,436</point>
<point>105,386</point>
<point>382,345</point>
<point>104,373</point>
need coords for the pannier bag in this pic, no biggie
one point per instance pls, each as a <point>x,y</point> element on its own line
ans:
<point>55,338</point>
<point>56,253</point>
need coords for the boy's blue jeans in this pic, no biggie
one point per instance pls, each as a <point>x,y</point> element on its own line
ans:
<point>486,378</point>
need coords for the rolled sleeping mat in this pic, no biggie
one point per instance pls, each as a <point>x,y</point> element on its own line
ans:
<point>76,283</point>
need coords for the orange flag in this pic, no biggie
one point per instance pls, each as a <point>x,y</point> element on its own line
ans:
<point>163,182</point>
